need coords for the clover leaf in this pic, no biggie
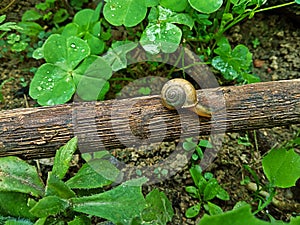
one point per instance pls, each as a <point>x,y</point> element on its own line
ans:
<point>233,64</point>
<point>161,34</point>
<point>206,6</point>
<point>126,12</point>
<point>69,66</point>
<point>86,25</point>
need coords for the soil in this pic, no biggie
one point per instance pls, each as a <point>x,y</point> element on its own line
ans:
<point>274,40</point>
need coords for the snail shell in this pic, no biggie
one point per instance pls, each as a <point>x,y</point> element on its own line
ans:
<point>179,93</point>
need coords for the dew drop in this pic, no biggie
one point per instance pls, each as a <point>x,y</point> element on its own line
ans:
<point>48,72</point>
<point>39,88</point>
<point>73,45</point>
<point>49,79</point>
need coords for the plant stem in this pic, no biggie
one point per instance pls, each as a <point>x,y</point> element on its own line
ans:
<point>274,7</point>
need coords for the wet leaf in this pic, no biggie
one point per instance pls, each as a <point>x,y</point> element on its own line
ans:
<point>163,37</point>
<point>64,52</point>
<point>51,85</point>
<point>125,12</point>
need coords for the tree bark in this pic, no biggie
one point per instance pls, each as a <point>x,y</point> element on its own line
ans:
<point>38,132</point>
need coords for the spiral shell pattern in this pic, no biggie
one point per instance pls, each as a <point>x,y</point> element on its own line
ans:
<point>174,95</point>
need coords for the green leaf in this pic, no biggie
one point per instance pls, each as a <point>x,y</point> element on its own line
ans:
<point>174,5</point>
<point>193,211</point>
<point>50,205</point>
<point>206,6</point>
<point>238,216</point>
<point>282,167</point>
<point>18,222</point>
<point>151,3</point>
<point>2,18</point>
<point>232,63</point>
<point>159,209</point>
<point>51,85</point>
<point>163,37</point>
<point>94,174</point>
<point>30,28</point>
<point>63,158</point>
<point>80,220</point>
<point>193,191</point>
<point>181,18</point>
<point>14,204</point>
<point>96,44</point>
<point>118,205</point>
<point>31,15</point>
<point>211,189</point>
<point>17,175</point>
<point>64,52</point>
<point>126,12</point>
<point>297,1</point>
<point>57,187</point>
<point>116,55</point>
<point>189,145</point>
<point>213,209</point>
<point>205,144</point>
<point>91,78</point>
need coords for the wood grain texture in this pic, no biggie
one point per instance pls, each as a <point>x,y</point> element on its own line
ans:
<point>38,132</point>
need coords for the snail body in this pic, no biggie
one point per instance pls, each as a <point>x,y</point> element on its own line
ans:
<point>179,93</point>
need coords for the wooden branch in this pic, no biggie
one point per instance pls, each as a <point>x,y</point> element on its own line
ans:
<point>38,132</point>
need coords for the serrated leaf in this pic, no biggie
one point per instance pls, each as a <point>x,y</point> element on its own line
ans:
<point>63,158</point>
<point>159,209</point>
<point>282,167</point>
<point>163,37</point>
<point>241,215</point>
<point>57,187</point>
<point>118,205</point>
<point>50,205</point>
<point>91,78</point>
<point>16,175</point>
<point>94,174</point>
<point>206,6</point>
<point>14,204</point>
<point>126,12</point>
<point>51,85</point>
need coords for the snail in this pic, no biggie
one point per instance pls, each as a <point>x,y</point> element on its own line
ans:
<point>179,93</point>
